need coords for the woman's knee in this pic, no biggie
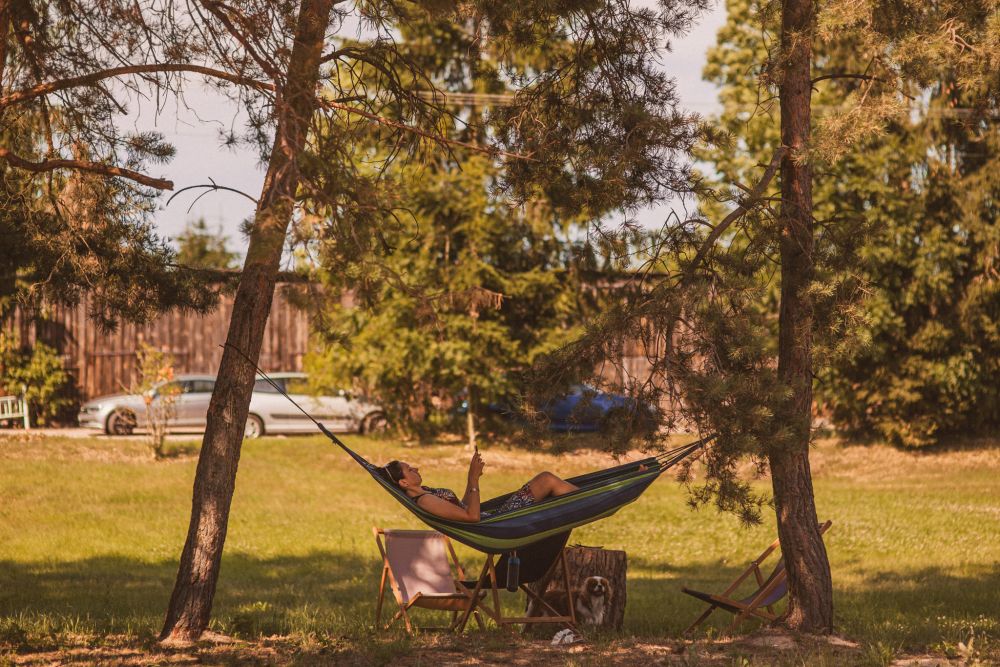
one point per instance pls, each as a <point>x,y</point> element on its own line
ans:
<point>541,483</point>
<point>544,479</point>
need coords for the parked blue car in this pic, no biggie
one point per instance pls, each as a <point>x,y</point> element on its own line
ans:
<point>581,409</point>
<point>584,409</point>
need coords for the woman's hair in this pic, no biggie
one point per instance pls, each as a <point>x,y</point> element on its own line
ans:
<point>393,471</point>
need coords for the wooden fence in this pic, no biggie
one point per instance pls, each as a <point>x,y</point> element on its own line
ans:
<point>105,363</point>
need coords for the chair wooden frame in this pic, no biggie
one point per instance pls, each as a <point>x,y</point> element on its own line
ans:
<point>765,589</point>
<point>488,582</point>
<point>462,601</point>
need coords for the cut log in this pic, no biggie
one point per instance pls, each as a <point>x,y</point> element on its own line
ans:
<point>597,604</point>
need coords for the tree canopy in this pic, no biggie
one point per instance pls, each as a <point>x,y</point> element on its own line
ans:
<point>200,247</point>
<point>907,241</point>
<point>475,287</point>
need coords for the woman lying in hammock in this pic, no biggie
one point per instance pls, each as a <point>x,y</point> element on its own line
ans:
<point>445,504</point>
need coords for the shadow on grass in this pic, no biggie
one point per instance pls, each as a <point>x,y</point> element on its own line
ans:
<point>319,592</point>
<point>960,442</point>
<point>912,610</point>
<point>329,594</point>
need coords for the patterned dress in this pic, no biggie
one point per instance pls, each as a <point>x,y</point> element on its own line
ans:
<point>520,498</point>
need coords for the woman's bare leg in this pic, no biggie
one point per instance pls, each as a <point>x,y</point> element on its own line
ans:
<point>545,484</point>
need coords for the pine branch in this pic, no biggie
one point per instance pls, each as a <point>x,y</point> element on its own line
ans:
<point>863,77</point>
<point>94,77</point>
<point>85,165</point>
<point>216,8</point>
<point>29,94</point>
<point>754,196</point>
<point>382,120</point>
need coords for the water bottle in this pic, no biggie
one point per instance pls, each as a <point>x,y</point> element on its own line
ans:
<point>513,572</point>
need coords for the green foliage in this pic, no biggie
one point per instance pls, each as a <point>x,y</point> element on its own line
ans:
<point>76,198</point>
<point>906,293</point>
<point>64,236</point>
<point>50,390</point>
<point>198,247</point>
<point>473,289</point>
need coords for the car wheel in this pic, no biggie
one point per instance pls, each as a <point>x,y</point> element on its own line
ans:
<point>120,422</point>
<point>254,427</point>
<point>374,423</point>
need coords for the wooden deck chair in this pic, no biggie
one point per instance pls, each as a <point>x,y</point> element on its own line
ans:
<point>760,603</point>
<point>415,564</point>
<point>536,561</point>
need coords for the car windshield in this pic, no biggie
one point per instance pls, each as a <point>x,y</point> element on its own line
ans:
<point>200,386</point>
<point>265,387</point>
<point>172,387</point>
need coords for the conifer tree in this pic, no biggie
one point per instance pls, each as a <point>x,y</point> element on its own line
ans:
<point>63,235</point>
<point>200,247</point>
<point>906,222</point>
<point>483,286</point>
<point>902,51</point>
<point>753,292</point>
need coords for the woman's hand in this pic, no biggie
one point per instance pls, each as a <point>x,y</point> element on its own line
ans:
<point>476,466</point>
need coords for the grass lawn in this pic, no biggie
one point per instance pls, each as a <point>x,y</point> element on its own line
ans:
<point>90,532</point>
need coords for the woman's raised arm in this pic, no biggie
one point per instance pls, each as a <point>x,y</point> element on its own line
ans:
<point>448,510</point>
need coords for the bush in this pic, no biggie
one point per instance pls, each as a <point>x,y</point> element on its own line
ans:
<point>51,392</point>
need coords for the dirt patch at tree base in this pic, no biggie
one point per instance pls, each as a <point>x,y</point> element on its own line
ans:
<point>764,648</point>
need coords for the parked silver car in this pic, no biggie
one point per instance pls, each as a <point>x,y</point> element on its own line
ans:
<point>270,412</point>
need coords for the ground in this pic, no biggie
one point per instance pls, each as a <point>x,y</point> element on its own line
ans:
<point>762,647</point>
<point>90,530</point>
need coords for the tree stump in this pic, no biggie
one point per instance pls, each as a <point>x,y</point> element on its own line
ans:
<point>585,562</point>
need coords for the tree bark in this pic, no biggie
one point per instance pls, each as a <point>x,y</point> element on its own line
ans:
<point>585,562</point>
<point>810,607</point>
<point>215,480</point>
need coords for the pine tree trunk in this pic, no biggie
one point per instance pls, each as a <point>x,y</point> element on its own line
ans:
<point>215,480</point>
<point>810,607</point>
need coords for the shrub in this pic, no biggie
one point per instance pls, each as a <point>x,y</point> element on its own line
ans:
<point>156,371</point>
<point>38,373</point>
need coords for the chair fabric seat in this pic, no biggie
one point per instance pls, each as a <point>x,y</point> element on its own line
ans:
<point>732,606</point>
<point>768,591</point>
<point>421,569</point>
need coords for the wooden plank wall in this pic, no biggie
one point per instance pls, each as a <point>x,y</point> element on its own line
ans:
<point>105,363</point>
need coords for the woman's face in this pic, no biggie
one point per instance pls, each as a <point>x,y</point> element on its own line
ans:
<point>411,478</point>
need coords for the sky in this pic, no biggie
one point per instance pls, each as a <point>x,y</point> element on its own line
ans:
<point>201,156</point>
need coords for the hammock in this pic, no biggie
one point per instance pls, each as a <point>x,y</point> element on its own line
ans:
<point>601,494</point>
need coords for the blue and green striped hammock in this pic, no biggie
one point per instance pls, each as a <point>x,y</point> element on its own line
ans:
<point>601,494</point>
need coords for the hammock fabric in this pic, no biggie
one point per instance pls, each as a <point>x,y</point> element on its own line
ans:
<point>601,494</point>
